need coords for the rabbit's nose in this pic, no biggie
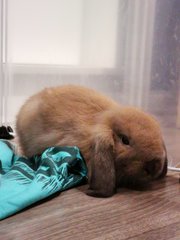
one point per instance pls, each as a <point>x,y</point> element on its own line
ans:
<point>152,167</point>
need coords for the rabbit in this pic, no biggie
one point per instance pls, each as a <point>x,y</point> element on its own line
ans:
<point>121,145</point>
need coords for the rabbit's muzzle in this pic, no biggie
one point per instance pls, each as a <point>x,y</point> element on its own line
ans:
<point>139,176</point>
<point>153,167</point>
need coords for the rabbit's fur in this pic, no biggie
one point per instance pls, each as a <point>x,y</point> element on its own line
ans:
<point>121,145</point>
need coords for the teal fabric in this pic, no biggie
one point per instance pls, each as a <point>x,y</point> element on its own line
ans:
<point>24,181</point>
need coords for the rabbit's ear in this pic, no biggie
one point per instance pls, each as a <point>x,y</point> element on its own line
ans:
<point>102,178</point>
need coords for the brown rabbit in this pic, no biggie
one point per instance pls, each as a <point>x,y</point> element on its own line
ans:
<point>121,145</point>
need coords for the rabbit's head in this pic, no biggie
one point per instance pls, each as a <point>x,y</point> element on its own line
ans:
<point>129,151</point>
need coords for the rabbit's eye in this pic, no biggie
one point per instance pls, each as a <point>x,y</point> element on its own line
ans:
<point>124,139</point>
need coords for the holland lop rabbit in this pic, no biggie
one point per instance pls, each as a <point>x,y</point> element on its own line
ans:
<point>122,146</point>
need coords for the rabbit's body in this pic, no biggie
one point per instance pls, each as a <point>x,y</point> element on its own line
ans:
<point>60,116</point>
<point>109,136</point>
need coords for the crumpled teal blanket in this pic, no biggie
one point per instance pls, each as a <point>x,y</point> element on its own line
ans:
<point>24,181</point>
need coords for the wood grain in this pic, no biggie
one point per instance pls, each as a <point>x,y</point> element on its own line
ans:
<point>150,214</point>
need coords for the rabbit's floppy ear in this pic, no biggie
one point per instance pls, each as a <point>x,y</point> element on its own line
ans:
<point>102,178</point>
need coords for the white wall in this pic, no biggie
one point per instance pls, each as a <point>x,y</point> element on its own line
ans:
<point>62,32</point>
<point>52,42</point>
<point>44,31</point>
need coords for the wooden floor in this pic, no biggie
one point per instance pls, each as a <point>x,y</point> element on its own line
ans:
<point>151,214</point>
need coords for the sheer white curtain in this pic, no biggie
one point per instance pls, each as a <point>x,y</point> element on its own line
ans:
<point>1,61</point>
<point>128,49</point>
<point>93,42</point>
<point>1,66</point>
